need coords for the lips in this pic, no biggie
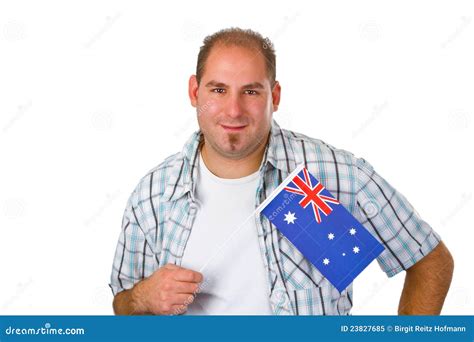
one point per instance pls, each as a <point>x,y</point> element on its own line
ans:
<point>233,128</point>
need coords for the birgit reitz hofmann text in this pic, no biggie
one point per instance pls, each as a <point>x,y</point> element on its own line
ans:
<point>428,328</point>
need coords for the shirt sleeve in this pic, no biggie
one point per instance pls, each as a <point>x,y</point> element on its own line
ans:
<point>391,219</point>
<point>132,252</point>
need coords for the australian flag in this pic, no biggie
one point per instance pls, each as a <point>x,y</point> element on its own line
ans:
<point>321,228</point>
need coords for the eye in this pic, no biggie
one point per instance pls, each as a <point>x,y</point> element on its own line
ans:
<point>251,92</point>
<point>218,90</point>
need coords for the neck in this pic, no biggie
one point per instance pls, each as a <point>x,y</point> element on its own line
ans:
<point>232,168</point>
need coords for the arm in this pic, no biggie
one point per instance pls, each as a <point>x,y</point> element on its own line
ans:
<point>168,291</point>
<point>427,283</point>
<point>127,302</point>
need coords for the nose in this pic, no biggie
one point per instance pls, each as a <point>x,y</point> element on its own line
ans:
<point>234,106</point>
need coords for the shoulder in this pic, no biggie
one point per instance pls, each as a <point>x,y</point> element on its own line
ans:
<point>318,151</point>
<point>153,184</point>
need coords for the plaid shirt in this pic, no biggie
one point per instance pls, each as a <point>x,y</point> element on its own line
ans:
<point>159,217</point>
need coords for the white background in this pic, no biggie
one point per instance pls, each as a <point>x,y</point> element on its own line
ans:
<point>93,94</point>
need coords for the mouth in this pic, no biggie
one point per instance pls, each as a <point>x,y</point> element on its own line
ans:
<point>233,128</point>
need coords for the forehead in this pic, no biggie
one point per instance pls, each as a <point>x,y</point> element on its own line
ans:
<point>235,63</point>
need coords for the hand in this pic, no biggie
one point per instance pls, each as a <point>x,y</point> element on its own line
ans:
<point>168,291</point>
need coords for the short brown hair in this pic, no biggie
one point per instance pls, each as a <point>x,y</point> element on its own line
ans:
<point>238,37</point>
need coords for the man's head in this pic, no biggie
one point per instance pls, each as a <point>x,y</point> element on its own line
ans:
<point>235,91</point>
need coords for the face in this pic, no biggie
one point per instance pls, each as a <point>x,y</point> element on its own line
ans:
<point>235,101</point>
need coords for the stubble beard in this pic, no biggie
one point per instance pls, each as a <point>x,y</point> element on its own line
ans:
<point>233,140</point>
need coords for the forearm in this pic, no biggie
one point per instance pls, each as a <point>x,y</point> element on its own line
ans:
<point>427,283</point>
<point>128,302</point>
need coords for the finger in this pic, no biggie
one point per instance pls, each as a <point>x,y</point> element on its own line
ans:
<point>182,299</point>
<point>188,275</point>
<point>171,266</point>
<point>185,287</point>
<point>178,309</point>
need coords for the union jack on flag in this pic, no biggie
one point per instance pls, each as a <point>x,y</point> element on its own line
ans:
<point>312,195</point>
<point>335,242</point>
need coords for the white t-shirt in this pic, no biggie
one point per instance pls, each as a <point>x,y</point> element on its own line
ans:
<point>224,240</point>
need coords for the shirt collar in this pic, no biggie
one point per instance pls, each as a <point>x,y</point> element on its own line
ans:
<point>278,153</point>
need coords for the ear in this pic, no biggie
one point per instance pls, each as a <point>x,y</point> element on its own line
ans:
<point>276,93</point>
<point>193,90</point>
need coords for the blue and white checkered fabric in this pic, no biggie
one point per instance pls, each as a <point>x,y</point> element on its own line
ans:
<point>159,215</point>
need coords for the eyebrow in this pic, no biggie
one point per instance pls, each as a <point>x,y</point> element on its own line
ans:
<point>253,85</point>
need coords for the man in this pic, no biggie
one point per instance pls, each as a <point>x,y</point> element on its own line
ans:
<point>190,241</point>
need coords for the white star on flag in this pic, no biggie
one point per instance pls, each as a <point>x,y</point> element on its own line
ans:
<point>356,249</point>
<point>290,217</point>
<point>330,236</point>
<point>326,261</point>
<point>352,231</point>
